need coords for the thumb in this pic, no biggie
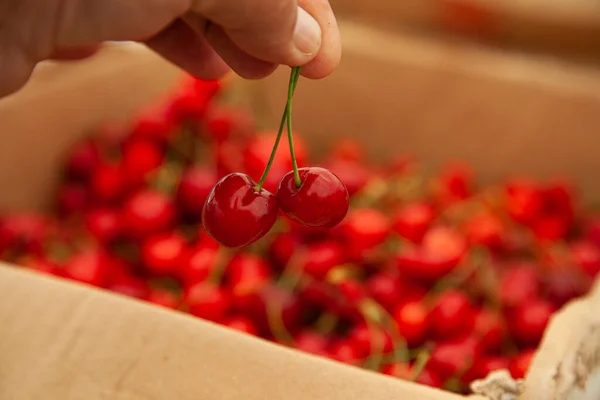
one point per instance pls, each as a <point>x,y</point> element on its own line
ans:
<point>275,31</point>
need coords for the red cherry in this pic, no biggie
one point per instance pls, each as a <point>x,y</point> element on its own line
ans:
<point>28,231</point>
<point>104,224</point>
<point>311,342</point>
<point>413,220</point>
<point>192,102</point>
<point>450,359</point>
<point>524,201</point>
<point>385,289</point>
<point>235,214</point>
<point>352,291</point>
<point>592,231</point>
<point>83,159</point>
<point>441,250</point>
<point>206,88</point>
<point>529,320</point>
<point>241,324</point>
<point>320,258</point>
<point>587,257</point>
<point>89,267</point>
<point>412,321</point>
<point>452,315</point>
<point>164,253</point>
<point>454,184</point>
<point>199,263</point>
<point>559,200</point>
<point>519,365</point>
<point>247,274</point>
<point>518,285</point>
<point>321,201</point>
<point>483,366</point>
<point>140,158</point>
<point>207,301</point>
<point>148,212</point>
<point>485,230</point>
<point>108,183</point>
<point>551,228</point>
<point>72,198</point>
<point>364,229</point>
<point>164,298</point>
<point>194,188</point>
<point>490,328</point>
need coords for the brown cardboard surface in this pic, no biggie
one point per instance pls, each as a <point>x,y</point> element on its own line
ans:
<point>60,341</point>
<point>65,101</point>
<point>503,113</point>
<point>569,365</point>
<point>565,28</point>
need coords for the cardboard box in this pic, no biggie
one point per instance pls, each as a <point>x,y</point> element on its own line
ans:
<point>564,28</point>
<point>63,341</point>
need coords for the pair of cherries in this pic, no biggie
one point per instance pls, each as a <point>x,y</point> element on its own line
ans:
<point>239,211</point>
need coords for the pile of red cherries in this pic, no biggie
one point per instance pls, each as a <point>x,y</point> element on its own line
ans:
<point>421,275</point>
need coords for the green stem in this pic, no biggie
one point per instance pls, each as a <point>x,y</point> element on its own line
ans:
<point>420,364</point>
<point>294,76</point>
<point>293,83</point>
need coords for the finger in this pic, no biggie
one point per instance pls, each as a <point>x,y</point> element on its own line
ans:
<point>16,66</point>
<point>330,54</point>
<point>83,23</point>
<point>180,45</point>
<point>242,63</point>
<point>275,31</point>
<point>77,53</point>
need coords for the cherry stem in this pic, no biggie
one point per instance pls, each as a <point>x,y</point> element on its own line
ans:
<point>294,76</point>
<point>292,88</point>
<point>420,364</point>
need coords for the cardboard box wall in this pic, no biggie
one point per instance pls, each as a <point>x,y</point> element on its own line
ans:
<point>563,28</point>
<point>64,341</point>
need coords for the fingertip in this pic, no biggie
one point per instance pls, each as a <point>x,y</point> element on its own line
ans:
<point>329,56</point>
<point>323,65</point>
<point>307,38</point>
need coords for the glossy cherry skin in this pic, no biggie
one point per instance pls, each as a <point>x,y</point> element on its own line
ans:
<point>235,214</point>
<point>322,201</point>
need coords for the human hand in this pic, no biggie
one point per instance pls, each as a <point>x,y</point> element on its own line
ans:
<point>207,38</point>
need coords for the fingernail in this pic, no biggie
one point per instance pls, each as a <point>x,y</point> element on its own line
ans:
<point>307,34</point>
